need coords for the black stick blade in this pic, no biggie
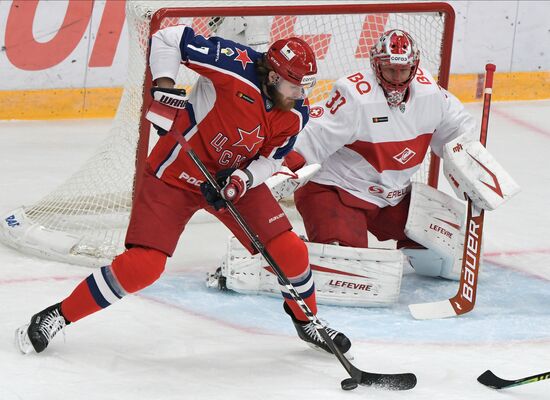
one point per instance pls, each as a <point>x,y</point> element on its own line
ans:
<point>491,380</point>
<point>404,381</point>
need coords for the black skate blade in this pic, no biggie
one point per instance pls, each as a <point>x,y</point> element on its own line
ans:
<point>405,381</point>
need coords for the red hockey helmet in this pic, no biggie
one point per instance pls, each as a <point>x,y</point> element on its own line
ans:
<point>395,50</point>
<point>294,60</point>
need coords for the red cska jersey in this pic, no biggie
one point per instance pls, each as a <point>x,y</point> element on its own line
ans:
<point>229,122</point>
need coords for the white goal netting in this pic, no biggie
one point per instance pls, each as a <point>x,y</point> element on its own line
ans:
<point>84,220</point>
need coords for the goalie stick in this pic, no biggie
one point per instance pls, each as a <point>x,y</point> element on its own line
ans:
<point>491,380</point>
<point>465,298</point>
<point>403,381</point>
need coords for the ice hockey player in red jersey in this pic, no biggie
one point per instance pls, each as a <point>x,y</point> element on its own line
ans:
<point>241,118</point>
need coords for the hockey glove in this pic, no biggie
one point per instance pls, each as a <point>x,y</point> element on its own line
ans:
<point>165,107</point>
<point>233,183</point>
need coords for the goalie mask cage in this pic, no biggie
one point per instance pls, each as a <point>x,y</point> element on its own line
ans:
<point>84,220</point>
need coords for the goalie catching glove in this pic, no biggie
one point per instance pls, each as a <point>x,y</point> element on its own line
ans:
<point>233,183</point>
<point>165,107</point>
<point>473,172</point>
<point>292,176</point>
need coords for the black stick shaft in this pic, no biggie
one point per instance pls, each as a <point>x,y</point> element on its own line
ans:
<point>404,381</point>
<point>258,245</point>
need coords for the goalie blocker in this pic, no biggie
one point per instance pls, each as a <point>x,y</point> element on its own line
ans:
<point>474,172</point>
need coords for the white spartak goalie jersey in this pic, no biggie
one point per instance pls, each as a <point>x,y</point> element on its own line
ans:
<point>372,150</point>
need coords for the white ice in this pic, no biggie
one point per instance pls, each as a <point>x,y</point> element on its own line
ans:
<point>178,340</point>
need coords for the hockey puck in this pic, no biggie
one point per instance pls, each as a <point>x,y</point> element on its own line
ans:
<point>348,384</point>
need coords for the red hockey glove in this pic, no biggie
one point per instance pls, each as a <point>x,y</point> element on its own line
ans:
<point>236,186</point>
<point>233,183</point>
<point>165,107</point>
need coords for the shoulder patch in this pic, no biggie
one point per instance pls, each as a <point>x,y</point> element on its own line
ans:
<point>227,51</point>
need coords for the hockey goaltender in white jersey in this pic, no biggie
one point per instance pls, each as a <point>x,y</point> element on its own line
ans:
<point>370,137</point>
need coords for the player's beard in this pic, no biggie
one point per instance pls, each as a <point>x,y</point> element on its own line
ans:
<point>279,101</point>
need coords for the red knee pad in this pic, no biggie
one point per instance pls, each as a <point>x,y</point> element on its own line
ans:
<point>289,252</point>
<point>138,268</point>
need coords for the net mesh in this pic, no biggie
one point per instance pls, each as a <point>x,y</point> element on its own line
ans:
<point>93,205</point>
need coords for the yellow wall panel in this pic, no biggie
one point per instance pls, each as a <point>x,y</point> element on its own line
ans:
<point>103,102</point>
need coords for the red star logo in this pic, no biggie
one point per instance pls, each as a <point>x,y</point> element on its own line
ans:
<point>249,139</point>
<point>243,57</point>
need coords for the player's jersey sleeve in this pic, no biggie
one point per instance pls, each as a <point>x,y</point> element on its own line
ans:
<point>455,121</point>
<point>335,127</point>
<point>212,57</point>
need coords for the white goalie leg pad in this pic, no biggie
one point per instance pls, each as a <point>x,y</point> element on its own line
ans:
<point>427,262</point>
<point>436,221</point>
<point>342,275</point>
<point>284,182</point>
<point>471,169</point>
<point>356,276</point>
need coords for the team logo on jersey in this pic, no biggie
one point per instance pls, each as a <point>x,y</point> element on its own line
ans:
<point>379,119</point>
<point>243,58</point>
<point>245,97</point>
<point>227,51</point>
<point>249,139</point>
<point>405,156</point>
<point>316,111</point>
<point>375,189</point>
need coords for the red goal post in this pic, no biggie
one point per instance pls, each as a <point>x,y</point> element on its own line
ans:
<point>84,220</point>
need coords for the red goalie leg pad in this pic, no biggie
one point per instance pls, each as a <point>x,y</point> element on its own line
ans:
<point>131,271</point>
<point>290,254</point>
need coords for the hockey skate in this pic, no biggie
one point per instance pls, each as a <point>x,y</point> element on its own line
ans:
<point>307,332</point>
<point>41,330</point>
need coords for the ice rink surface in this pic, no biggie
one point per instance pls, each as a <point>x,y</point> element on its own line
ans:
<point>179,340</point>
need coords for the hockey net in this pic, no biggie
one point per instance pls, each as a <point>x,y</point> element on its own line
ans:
<point>84,220</point>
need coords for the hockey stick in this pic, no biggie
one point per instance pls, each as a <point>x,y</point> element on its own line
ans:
<point>402,381</point>
<point>465,298</point>
<point>491,380</point>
